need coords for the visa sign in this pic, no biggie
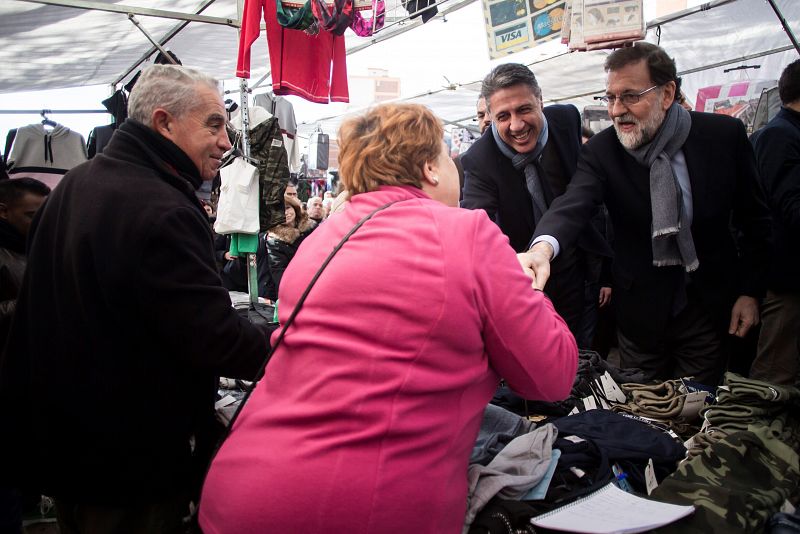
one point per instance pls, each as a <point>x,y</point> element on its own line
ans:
<point>508,37</point>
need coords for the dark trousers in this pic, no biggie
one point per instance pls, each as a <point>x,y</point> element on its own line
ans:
<point>164,517</point>
<point>694,345</point>
<point>778,357</point>
<point>566,289</point>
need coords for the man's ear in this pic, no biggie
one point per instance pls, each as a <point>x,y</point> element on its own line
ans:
<point>669,95</point>
<point>162,122</point>
<point>3,211</point>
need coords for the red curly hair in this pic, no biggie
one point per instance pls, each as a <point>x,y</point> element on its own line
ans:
<point>388,145</point>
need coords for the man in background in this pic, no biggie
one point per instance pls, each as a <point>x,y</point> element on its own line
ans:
<point>315,210</point>
<point>777,148</point>
<point>109,377</point>
<point>483,117</point>
<point>20,199</point>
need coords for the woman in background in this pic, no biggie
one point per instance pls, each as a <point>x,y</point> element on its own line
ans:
<point>366,416</point>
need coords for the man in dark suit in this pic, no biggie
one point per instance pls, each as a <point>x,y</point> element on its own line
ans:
<point>777,148</point>
<point>521,164</point>
<point>673,182</point>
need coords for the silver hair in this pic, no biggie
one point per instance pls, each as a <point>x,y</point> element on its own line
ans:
<point>508,75</point>
<point>170,87</point>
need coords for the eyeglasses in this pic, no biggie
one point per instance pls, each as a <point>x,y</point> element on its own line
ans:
<point>627,99</point>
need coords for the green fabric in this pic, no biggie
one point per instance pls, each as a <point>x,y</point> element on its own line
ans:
<point>295,18</point>
<point>736,483</point>
<point>243,244</point>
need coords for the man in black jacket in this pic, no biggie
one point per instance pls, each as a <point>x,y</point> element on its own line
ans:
<point>674,182</point>
<point>777,148</point>
<point>20,199</point>
<point>108,382</point>
<point>523,162</point>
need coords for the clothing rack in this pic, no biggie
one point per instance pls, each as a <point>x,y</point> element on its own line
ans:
<point>252,263</point>
<point>50,111</point>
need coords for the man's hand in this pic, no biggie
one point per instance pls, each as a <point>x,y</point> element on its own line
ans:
<point>744,316</point>
<point>605,296</point>
<point>536,263</point>
<point>229,257</point>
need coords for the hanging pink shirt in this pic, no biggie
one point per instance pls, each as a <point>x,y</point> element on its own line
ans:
<point>367,414</point>
<point>312,67</point>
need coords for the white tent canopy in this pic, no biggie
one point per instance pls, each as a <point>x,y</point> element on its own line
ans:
<point>44,46</point>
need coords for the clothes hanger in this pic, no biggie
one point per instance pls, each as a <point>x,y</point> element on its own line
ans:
<point>46,121</point>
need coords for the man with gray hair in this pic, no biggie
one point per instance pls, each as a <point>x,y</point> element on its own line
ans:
<point>691,229</point>
<point>108,381</point>
<point>522,163</point>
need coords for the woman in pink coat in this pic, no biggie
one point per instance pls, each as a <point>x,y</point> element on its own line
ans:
<point>367,413</point>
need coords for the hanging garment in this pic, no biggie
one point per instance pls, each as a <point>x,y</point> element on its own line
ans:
<point>334,16</point>
<point>283,110</point>
<point>98,139</point>
<point>266,146</point>
<point>46,155</point>
<point>309,66</point>
<point>365,28</point>
<point>418,8</point>
<point>295,17</point>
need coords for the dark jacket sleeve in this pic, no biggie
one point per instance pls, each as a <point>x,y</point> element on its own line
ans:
<point>569,214</point>
<point>751,221</point>
<point>480,191</point>
<point>777,151</point>
<point>189,311</point>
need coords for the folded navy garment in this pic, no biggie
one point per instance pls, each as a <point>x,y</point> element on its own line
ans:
<point>610,438</point>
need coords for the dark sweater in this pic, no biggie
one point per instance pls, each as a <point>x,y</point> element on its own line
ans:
<point>122,325</point>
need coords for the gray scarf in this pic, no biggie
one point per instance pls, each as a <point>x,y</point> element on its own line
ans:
<point>672,240</point>
<point>527,162</point>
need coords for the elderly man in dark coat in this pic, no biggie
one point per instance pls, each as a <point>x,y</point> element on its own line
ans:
<point>108,381</point>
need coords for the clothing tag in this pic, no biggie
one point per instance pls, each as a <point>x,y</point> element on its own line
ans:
<point>589,403</point>
<point>689,443</point>
<point>277,142</point>
<point>580,473</point>
<point>224,401</point>
<point>613,392</point>
<point>573,411</point>
<point>603,404</point>
<point>787,507</point>
<point>692,404</point>
<point>705,425</point>
<point>650,477</point>
<point>574,439</point>
<point>673,434</point>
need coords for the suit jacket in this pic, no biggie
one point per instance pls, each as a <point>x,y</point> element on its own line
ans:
<point>494,185</point>
<point>777,148</point>
<point>730,227</point>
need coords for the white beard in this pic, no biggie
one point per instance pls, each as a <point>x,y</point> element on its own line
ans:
<point>644,131</point>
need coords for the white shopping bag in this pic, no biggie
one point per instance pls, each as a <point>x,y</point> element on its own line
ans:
<point>237,211</point>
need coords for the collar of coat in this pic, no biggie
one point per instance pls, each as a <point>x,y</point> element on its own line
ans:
<point>134,140</point>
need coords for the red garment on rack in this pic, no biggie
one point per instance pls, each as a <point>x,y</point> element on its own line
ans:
<point>309,66</point>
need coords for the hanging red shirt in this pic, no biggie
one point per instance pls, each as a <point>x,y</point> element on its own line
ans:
<point>310,66</point>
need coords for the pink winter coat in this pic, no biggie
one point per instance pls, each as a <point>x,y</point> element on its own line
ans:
<point>367,414</point>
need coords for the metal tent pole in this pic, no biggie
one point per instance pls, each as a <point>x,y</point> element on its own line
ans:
<point>252,262</point>
<point>785,25</point>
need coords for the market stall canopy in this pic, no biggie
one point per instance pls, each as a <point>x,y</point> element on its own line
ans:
<point>46,46</point>
<point>706,42</point>
<point>52,44</point>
